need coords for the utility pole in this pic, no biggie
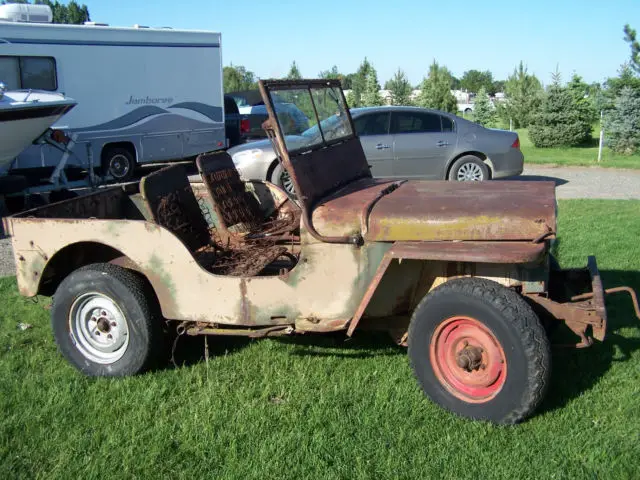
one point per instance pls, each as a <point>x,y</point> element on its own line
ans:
<point>601,137</point>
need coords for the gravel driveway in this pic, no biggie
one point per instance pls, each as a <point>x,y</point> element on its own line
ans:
<point>571,182</point>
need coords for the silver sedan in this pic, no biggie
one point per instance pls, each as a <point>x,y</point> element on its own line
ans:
<point>407,142</point>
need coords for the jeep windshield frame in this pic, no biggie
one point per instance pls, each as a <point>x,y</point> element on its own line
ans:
<point>323,104</point>
<point>324,158</point>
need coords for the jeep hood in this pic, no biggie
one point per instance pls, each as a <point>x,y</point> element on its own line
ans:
<point>440,211</point>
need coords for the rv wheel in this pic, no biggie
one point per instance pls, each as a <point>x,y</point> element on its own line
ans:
<point>119,163</point>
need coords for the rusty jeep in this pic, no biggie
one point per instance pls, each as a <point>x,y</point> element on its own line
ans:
<point>461,273</point>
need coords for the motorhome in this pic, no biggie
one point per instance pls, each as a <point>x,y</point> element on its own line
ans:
<point>144,94</point>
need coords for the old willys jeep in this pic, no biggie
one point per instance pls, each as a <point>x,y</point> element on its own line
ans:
<point>458,272</point>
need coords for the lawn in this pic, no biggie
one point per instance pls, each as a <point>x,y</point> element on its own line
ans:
<point>575,156</point>
<point>320,407</point>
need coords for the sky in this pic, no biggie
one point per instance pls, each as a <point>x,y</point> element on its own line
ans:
<point>581,36</point>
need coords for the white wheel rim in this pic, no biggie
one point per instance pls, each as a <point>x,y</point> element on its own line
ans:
<point>98,328</point>
<point>119,166</point>
<point>287,183</point>
<point>470,172</point>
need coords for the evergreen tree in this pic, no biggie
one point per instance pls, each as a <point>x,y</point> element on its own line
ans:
<point>294,72</point>
<point>584,97</point>
<point>435,90</point>
<point>358,84</point>
<point>400,89</point>
<point>622,124</point>
<point>523,93</point>
<point>483,110</point>
<point>560,121</point>
<point>371,95</point>
<point>631,39</point>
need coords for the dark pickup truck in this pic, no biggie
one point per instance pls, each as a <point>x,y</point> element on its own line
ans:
<point>236,125</point>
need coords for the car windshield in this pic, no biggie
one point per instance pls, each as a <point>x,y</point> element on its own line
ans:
<point>326,113</point>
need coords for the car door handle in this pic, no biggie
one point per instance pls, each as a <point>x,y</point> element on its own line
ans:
<point>442,143</point>
<point>381,146</point>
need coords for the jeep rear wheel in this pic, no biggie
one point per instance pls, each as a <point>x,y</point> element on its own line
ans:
<point>106,322</point>
<point>479,350</point>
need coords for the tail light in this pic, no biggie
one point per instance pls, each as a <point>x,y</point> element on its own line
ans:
<point>244,125</point>
<point>516,143</point>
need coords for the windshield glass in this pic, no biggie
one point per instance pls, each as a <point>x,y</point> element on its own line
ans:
<point>329,125</point>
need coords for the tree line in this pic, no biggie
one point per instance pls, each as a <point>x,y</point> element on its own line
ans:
<point>562,114</point>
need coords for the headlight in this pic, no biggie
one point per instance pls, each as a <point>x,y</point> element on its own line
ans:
<point>246,156</point>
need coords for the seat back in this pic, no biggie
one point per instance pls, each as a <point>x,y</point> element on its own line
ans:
<point>234,206</point>
<point>173,205</point>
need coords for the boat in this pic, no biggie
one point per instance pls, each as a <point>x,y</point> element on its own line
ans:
<point>24,116</point>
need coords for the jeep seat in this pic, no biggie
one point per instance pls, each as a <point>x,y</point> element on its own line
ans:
<point>173,205</point>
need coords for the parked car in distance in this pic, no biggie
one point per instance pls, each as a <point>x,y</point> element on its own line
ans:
<point>406,142</point>
<point>252,109</point>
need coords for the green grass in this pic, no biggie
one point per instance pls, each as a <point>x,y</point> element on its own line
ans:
<point>575,156</point>
<point>319,407</point>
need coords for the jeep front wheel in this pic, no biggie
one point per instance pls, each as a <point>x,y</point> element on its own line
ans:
<point>479,350</point>
<point>105,321</point>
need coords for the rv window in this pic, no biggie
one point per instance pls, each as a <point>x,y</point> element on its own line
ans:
<point>38,73</point>
<point>10,72</point>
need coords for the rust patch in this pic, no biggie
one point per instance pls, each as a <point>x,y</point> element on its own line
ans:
<point>476,252</point>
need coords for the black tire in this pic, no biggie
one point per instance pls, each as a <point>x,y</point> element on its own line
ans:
<point>119,163</point>
<point>514,326</point>
<point>281,178</point>
<point>471,164</point>
<point>137,305</point>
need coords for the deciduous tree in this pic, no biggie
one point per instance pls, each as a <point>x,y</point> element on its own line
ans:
<point>238,78</point>
<point>474,80</point>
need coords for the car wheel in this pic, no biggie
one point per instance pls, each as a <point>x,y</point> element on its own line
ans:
<point>119,163</point>
<point>469,169</point>
<point>478,349</point>
<point>281,178</point>
<point>106,321</point>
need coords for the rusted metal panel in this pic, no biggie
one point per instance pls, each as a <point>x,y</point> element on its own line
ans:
<point>431,211</point>
<point>320,172</point>
<point>373,285</point>
<point>340,213</point>
<point>106,203</point>
<point>187,291</point>
<point>479,252</point>
<point>496,210</point>
<point>578,312</point>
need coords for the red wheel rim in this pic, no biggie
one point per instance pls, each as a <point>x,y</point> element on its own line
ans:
<point>468,359</point>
